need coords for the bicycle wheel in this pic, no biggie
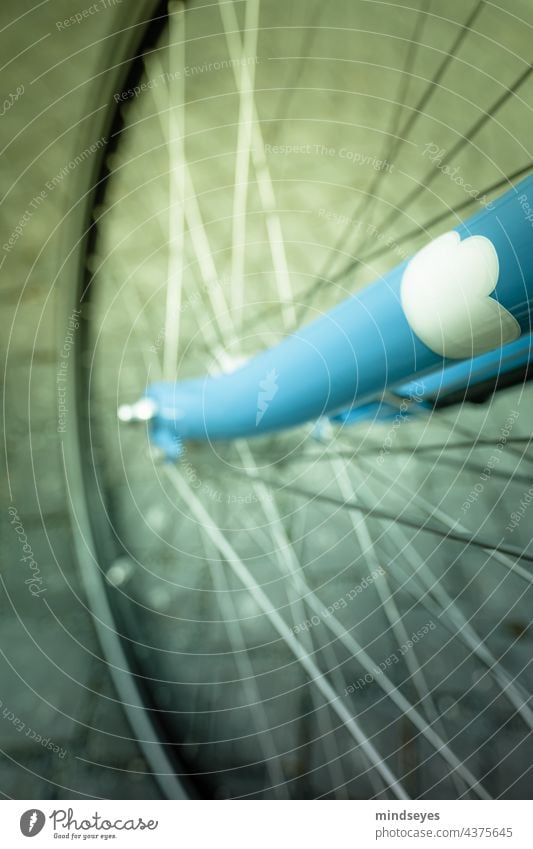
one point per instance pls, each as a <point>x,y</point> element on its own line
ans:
<point>338,610</point>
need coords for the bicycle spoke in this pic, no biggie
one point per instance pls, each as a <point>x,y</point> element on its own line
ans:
<point>459,625</point>
<point>176,219</point>
<point>396,137</point>
<point>284,548</point>
<point>476,127</point>
<point>306,298</point>
<point>501,552</point>
<point>195,225</point>
<point>394,618</point>
<point>239,53</point>
<point>246,81</point>
<point>328,738</point>
<point>316,677</point>
<point>415,450</point>
<point>506,182</point>
<point>244,665</point>
<point>287,561</point>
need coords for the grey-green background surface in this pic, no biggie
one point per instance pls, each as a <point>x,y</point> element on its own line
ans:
<point>53,678</point>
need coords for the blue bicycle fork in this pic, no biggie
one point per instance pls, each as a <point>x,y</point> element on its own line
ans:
<point>457,310</point>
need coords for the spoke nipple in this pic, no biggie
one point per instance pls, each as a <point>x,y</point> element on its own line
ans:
<point>156,455</point>
<point>119,572</point>
<point>141,411</point>
<point>322,430</point>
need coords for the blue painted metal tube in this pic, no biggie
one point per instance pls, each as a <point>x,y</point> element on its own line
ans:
<point>448,380</point>
<point>468,373</point>
<point>369,342</point>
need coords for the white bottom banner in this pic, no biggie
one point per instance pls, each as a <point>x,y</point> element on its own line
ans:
<point>262,825</point>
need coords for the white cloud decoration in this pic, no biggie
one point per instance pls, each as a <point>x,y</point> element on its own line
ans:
<point>445,296</point>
